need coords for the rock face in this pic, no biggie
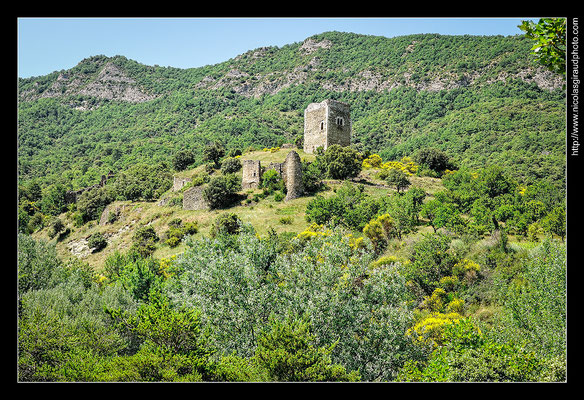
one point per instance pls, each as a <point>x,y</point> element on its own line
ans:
<point>108,82</point>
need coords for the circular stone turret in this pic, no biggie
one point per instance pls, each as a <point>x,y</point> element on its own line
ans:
<point>293,168</point>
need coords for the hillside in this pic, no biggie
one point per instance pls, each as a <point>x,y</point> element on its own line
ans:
<point>405,93</point>
<point>430,249</point>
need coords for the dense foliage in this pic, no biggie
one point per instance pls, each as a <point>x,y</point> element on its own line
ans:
<point>453,269</point>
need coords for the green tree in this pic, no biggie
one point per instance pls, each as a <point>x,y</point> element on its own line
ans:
<point>91,203</point>
<point>341,162</point>
<point>555,222</point>
<point>398,179</point>
<point>213,153</point>
<point>173,334</point>
<point>328,280</point>
<point>38,264</point>
<point>222,191</point>
<point>433,159</point>
<point>289,353</point>
<point>182,159</point>
<point>535,307</point>
<point>549,36</point>
<point>230,165</point>
<point>430,261</point>
<point>63,330</point>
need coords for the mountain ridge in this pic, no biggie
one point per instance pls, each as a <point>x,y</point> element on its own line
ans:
<point>237,74</point>
<point>108,113</point>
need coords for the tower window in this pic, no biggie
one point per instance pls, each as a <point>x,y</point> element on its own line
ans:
<point>340,121</point>
<point>321,125</point>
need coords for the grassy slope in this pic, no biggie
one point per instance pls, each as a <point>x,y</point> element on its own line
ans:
<point>264,215</point>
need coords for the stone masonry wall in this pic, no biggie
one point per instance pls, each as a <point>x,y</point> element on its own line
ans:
<point>314,127</point>
<point>339,124</point>
<point>178,183</point>
<point>251,174</point>
<point>293,175</point>
<point>193,198</point>
<point>326,123</point>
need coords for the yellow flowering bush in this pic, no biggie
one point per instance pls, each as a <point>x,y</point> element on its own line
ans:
<point>456,306</point>
<point>165,264</point>
<point>435,302</point>
<point>312,231</point>
<point>428,331</point>
<point>465,266</point>
<point>356,243</point>
<point>448,283</point>
<point>406,164</point>
<point>385,260</point>
<point>373,161</point>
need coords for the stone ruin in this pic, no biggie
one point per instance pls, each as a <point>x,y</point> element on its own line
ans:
<point>71,196</point>
<point>193,199</point>
<point>251,174</point>
<point>326,123</point>
<point>290,171</point>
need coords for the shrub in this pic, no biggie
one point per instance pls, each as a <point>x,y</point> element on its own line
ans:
<point>222,191</point>
<point>228,223</point>
<point>279,196</point>
<point>230,165</point>
<point>433,159</point>
<point>286,220</point>
<point>56,227</point>
<point>289,353</point>
<point>341,162</point>
<point>144,241</point>
<point>177,230</point>
<point>182,159</point>
<point>272,180</point>
<point>97,242</point>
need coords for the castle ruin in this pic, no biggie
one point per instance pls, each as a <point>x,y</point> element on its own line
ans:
<point>326,123</point>
<point>252,173</point>
<point>290,171</point>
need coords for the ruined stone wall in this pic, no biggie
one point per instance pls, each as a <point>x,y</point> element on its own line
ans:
<point>339,124</point>
<point>179,183</point>
<point>193,198</point>
<point>278,167</point>
<point>71,196</point>
<point>293,175</point>
<point>251,174</point>
<point>315,122</point>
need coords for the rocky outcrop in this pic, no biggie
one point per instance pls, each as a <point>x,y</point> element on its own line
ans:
<point>110,82</point>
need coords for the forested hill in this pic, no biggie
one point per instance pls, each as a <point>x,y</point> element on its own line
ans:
<point>481,99</point>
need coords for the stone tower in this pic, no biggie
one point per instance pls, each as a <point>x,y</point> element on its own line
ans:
<point>326,123</point>
<point>293,176</point>
<point>252,172</point>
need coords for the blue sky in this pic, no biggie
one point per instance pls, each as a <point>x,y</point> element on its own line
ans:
<point>46,45</point>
